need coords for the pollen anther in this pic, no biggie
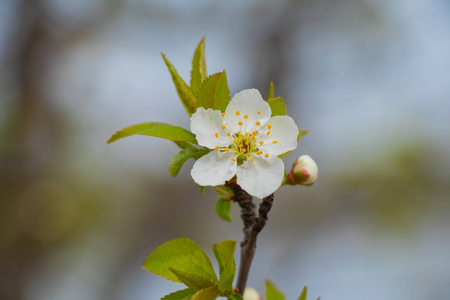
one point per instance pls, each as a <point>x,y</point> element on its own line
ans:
<point>223,127</point>
<point>259,112</point>
<point>223,115</point>
<point>261,142</point>
<point>253,138</point>
<point>274,142</point>
<point>246,117</point>
<point>227,149</point>
<point>258,123</point>
<point>266,155</point>
<point>235,141</point>
<point>233,159</point>
<point>216,134</point>
<point>254,132</point>
<point>240,123</point>
<point>251,158</point>
<point>247,133</point>
<point>258,152</point>
<point>269,126</point>
<point>244,150</point>
<point>217,147</point>
<point>238,113</point>
<point>240,145</point>
<point>268,132</point>
<point>247,142</point>
<point>229,134</point>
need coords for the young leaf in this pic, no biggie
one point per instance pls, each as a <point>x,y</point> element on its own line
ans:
<point>191,280</point>
<point>181,254</point>
<point>181,157</point>
<point>272,292</point>
<point>222,94</point>
<point>224,191</point>
<point>184,91</point>
<point>162,130</point>
<point>223,208</point>
<point>214,92</point>
<point>179,295</point>
<point>198,72</point>
<point>303,294</point>
<point>234,297</point>
<point>224,253</point>
<point>277,106</point>
<point>271,91</point>
<point>202,189</point>
<point>210,293</point>
<point>185,145</point>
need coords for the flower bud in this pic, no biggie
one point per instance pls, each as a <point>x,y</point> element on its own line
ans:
<point>304,171</point>
<point>251,294</point>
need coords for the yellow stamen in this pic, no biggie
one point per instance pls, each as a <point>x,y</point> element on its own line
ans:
<point>258,152</point>
<point>216,134</point>
<point>240,123</point>
<point>238,113</point>
<point>245,117</point>
<point>217,147</point>
<point>247,142</point>
<point>227,149</point>
<point>258,123</point>
<point>229,134</point>
<point>223,114</point>
<point>240,146</point>
<point>244,150</point>
<point>251,158</point>
<point>223,127</point>
<point>269,126</point>
<point>268,132</point>
<point>247,133</point>
<point>233,159</point>
<point>266,155</point>
<point>261,142</point>
<point>235,141</point>
<point>274,142</point>
<point>242,136</point>
<point>253,138</point>
<point>259,112</point>
<point>254,132</point>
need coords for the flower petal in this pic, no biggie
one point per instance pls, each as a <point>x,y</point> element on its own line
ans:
<point>205,124</point>
<point>282,137</point>
<point>247,103</point>
<point>214,168</point>
<point>261,177</point>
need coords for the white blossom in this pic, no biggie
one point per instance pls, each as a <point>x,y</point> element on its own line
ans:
<point>245,142</point>
<point>304,171</point>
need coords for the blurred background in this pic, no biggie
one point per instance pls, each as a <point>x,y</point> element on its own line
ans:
<point>370,80</point>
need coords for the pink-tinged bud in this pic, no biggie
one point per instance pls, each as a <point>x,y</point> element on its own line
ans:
<point>304,171</point>
<point>251,294</point>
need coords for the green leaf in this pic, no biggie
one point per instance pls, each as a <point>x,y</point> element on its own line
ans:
<point>272,292</point>
<point>185,145</point>
<point>234,297</point>
<point>271,91</point>
<point>179,295</point>
<point>162,130</point>
<point>191,280</point>
<point>214,92</point>
<point>181,254</point>
<point>184,91</point>
<point>198,73</point>
<point>224,191</point>
<point>277,106</point>
<point>210,293</point>
<point>303,294</point>
<point>181,157</point>
<point>223,208</point>
<point>224,253</point>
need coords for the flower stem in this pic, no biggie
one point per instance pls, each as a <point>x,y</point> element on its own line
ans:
<point>252,227</point>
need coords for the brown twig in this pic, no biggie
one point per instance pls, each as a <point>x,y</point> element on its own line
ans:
<point>252,227</point>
